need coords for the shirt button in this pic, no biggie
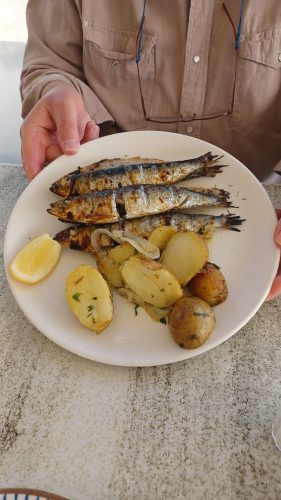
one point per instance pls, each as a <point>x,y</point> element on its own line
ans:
<point>196,59</point>
<point>189,129</point>
<point>279,57</point>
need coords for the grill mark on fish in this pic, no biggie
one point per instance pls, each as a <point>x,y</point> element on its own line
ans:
<point>143,172</point>
<point>79,237</point>
<point>134,201</point>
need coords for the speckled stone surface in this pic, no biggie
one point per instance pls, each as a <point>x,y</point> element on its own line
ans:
<point>192,430</point>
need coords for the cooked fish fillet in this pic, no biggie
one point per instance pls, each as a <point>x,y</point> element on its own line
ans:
<point>130,202</point>
<point>79,237</point>
<point>108,174</point>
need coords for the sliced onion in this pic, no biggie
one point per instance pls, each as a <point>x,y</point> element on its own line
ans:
<point>95,238</point>
<point>142,245</point>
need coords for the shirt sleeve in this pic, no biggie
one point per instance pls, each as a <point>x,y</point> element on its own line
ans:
<point>54,55</point>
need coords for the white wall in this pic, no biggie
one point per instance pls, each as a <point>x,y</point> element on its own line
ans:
<point>12,20</point>
<point>13,35</point>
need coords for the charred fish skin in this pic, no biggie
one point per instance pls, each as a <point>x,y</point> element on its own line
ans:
<point>134,201</point>
<point>129,174</point>
<point>96,208</point>
<point>64,186</point>
<point>79,237</point>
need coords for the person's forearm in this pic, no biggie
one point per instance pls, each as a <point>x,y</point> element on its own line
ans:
<point>53,55</point>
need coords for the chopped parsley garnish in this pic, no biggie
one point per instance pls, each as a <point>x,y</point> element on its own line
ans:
<point>162,289</point>
<point>136,309</point>
<point>94,298</point>
<point>76,296</point>
<point>163,321</point>
<point>90,307</point>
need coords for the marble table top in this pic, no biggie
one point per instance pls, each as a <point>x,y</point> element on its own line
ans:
<point>196,429</point>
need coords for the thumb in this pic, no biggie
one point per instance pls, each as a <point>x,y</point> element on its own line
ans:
<point>67,124</point>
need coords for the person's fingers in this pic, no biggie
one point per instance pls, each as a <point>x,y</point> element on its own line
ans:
<point>91,132</point>
<point>68,125</point>
<point>71,120</point>
<point>277,232</point>
<point>34,141</point>
<point>275,289</point>
<point>53,152</point>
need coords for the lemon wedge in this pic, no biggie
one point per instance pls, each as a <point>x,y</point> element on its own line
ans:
<point>36,260</point>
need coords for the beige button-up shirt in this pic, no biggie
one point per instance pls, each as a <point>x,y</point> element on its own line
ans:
<point>189,67</point>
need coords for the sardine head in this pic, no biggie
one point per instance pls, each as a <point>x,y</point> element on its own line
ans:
<point>62,187</point>
<point>62,209</point>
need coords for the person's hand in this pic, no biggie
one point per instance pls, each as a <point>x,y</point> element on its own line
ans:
<point>57,124</point>
<point>276,287</point>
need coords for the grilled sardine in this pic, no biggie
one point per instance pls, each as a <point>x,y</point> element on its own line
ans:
<point>79,237</point>
<point>134,201</point>
<point>134,171</point>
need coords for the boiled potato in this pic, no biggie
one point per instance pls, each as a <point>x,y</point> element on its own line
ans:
<point>191,321</point>
<point>108,263</point>
<point>185,254</point>
<point>121,252</point>
<point>209,285</point>
<point>161,235</point>
<point>151,281</point>
<point>89,298</point>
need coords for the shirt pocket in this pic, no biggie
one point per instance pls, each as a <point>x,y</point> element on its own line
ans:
<point>110,65</point>
<point>257,94</point>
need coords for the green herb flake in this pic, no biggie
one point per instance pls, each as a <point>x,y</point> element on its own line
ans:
<point>94,298</point>
<point>136,309</point>
<point>152,295</point>
<point>76,296</point>
<point>162,289</point>
<point>90,307</point>
<point>163,321</point>
<point>202,314</point>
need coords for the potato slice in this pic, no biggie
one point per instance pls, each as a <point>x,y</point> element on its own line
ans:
<point>185,254</point>
<point>108,263</point>
<point>161,235</point>
<point>89,298</point>
<point>151,281</point>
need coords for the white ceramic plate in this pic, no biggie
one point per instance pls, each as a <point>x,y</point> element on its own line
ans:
<point>248,259</point>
